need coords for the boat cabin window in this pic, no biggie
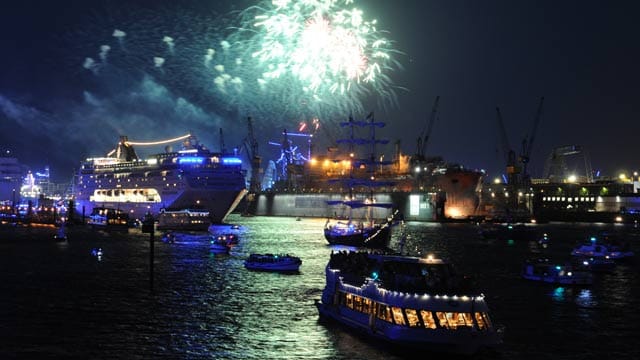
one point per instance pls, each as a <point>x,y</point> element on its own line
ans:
<point>384,312</point>
<point>349,301</point>
<point>427,319</point>
<point>357,303</point>
<point>480,320</point>
<point>398,318</point>
<point>412,318</point>
<point>442,319</point>
<point>367,306</point>
<point>457,320</point>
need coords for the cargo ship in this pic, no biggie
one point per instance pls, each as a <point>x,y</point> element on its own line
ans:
<point>191,178</point>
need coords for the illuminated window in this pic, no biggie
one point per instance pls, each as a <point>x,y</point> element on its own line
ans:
<point>427,319</point>
<point>366,306</point>
<point>442,319</point>
<point>457,320</point>
<point>349,301</point>
<point>482,320</point>
<point>357,303</point>
<point>384,312</point>
<point>412,317</point>
<point>468,319</point>
<point>398,318</point>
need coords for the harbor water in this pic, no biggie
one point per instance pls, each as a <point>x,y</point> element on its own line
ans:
<point>62,300</point>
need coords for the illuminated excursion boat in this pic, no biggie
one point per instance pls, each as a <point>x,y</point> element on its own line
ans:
<point>412,303</point>
<point>191,178</point>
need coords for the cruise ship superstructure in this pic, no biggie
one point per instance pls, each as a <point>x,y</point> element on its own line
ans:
<point>191,178</point>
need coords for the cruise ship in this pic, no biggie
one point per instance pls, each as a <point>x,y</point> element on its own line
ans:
<point>192,178</point>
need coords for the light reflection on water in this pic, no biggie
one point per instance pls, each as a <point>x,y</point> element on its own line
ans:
<point>61,300</point>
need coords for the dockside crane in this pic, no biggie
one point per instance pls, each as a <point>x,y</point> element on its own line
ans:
<point>423,139</point>
<point>527,145</point>
<point>509,155</point>
<point>251,146</point>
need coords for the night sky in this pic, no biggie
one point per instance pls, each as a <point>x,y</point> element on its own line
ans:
<point>582,56</point>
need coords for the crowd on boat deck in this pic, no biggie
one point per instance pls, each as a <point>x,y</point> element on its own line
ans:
<point>403,276</point>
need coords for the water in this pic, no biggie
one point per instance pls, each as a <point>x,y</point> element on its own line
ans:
<point>57,300</point>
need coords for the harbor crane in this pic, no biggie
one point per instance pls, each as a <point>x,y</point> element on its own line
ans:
<point>527,145</point>
<point>509,155</point>
<point>423,139</point>
<point>517,173</point>
<point>251,146</point>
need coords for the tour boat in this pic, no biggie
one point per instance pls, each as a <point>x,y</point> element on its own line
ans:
<point>545,271</point>
<point>413,303</point>
<point>273,262</point>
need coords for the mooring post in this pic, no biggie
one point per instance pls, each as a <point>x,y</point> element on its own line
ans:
<point>148,226</point>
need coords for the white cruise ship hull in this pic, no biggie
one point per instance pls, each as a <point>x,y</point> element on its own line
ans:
<point>192,178</point>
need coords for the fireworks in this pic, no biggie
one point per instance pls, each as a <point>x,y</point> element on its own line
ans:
<point>320,54</point>
<point>277,61</point>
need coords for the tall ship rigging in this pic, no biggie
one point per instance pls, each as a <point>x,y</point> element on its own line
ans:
<point>362,230</point>
<point>191,178</point>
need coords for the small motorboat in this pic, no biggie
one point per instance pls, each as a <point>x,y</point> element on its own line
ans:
<point>220,245</point>
<point>228,238</point>
<point>169,237</point>
<point>545,271</point>
<point>273,262</point>
<point>606,247</point>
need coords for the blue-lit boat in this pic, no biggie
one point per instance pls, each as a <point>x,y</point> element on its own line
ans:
<point>417,304</point>
<point>273,262</point>
<point>603,246</point>
<point>191,178</point>
<point>223,243</point>
<point>562,274</point>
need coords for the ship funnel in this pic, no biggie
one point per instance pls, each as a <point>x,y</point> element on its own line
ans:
<point>125,151</point>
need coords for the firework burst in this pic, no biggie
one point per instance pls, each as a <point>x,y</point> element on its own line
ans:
<point>277,61</point>
<point>323,54</point>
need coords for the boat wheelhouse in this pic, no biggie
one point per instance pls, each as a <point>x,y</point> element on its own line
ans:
<point>413,303</point>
